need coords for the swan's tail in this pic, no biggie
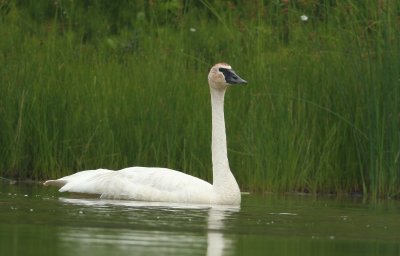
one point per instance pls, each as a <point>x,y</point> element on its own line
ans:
<point>56,183</point>
<point>80,181</point>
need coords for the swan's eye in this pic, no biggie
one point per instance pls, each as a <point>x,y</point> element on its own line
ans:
<point>229,74</point>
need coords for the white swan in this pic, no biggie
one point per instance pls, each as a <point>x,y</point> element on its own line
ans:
<point>166,185</point>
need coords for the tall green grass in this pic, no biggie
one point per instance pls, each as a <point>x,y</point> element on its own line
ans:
<point>94,84</point>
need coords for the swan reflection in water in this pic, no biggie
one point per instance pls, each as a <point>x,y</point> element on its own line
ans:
<point>136,227</point>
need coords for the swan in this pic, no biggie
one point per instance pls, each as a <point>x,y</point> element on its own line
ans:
<point>163,184</point>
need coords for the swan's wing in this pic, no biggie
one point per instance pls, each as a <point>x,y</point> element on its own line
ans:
<point>138,183</point>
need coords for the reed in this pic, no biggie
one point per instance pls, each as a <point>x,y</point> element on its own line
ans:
<point>112,86</point>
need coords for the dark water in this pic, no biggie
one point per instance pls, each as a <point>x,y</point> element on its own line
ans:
<point>36,220</point>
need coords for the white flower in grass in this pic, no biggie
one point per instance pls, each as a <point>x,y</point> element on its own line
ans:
<point>192,30</point>
<point>304,17</point>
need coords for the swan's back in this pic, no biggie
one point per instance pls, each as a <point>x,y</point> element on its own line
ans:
<point>138,183</point>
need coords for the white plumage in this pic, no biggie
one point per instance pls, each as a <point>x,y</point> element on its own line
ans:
<point>166,185</point>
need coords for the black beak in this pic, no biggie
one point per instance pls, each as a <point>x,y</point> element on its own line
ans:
<point>231,77</point>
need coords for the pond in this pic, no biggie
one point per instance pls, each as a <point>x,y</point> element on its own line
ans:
<point>37,220</point>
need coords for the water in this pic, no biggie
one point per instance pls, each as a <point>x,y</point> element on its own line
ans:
<point>37,220</point>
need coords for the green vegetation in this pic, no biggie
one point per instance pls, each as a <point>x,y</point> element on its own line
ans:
<point>89,84</point>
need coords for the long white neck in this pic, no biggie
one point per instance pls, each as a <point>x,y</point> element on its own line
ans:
<point>224,182</point>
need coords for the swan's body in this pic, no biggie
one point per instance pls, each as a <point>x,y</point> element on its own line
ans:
<point>166,185</point>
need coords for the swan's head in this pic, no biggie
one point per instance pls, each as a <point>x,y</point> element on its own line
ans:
<point>222,75</point>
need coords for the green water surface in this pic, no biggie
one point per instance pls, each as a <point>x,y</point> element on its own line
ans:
<point>37,220</point>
